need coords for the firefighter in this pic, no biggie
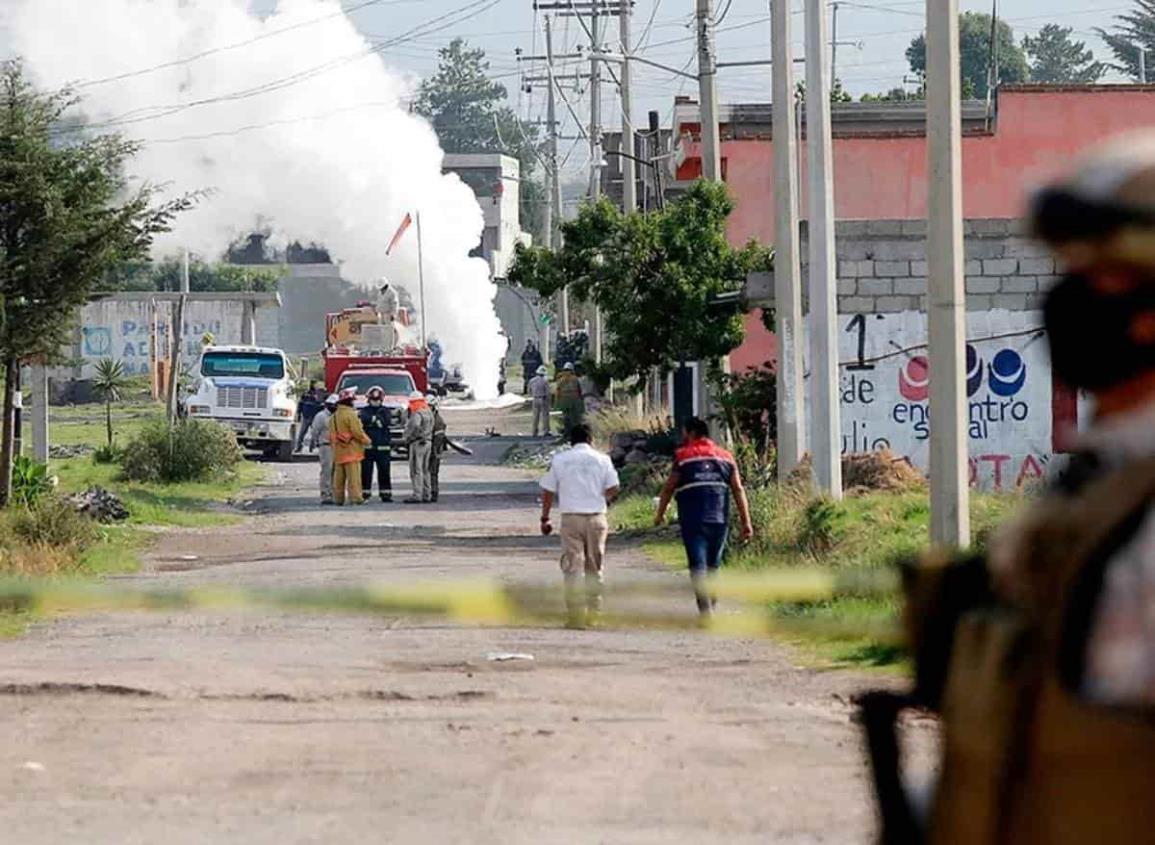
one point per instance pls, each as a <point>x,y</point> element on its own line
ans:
<point>319,442</point>
<point>440,445</point>
<point>349,441</point>
<point>375,419</point>
<point>419,439</point>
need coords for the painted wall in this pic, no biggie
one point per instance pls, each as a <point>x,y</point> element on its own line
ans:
<point>1037,134</point>
<point>884,379</point>
<point>120,330</point>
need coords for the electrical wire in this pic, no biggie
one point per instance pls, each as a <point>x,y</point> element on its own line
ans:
<point>236,45</point>
<point>437,24</point>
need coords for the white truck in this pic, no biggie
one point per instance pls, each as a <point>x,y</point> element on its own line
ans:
<point>251,390</point>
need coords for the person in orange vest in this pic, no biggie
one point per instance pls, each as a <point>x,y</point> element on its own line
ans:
<point>349,441</point>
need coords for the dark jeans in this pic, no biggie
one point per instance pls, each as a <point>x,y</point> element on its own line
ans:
<point>303,426</point>
<point>705,547</point>
<point>435,471</point>
<point>381,459</point>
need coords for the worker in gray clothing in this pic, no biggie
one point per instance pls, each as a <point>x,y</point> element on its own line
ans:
<point>419,439</point>
<point>318,437</point>
<point>440,447</point>
<point>541,392</point>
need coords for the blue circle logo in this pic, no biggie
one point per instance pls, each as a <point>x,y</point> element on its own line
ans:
<point>1007,372</point>
<point>974,371</point>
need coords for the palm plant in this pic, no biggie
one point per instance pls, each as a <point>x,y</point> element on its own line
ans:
<point>110,383</point>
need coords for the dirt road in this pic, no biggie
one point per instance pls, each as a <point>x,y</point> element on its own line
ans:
<point>267,728</point>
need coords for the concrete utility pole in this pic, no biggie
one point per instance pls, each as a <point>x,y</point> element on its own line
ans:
<point>595,102</point>
<point>39,388</point>
<point>708,92</point>
<point>787,251</point>
<point>833,43</point>
<point>826,419</point>
<point>555,174</point>
<point>629,169</point>
<point>946,302</point>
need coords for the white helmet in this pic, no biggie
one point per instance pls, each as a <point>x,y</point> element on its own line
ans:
<point>332,399</point>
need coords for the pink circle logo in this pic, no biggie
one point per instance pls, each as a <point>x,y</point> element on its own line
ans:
<point>914,379</point>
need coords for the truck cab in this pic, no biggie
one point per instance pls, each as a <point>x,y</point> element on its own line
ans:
<point>398,384</point>
<point>249,389</point>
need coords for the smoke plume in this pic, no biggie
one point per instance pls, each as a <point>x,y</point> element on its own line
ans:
<point>297,124</point>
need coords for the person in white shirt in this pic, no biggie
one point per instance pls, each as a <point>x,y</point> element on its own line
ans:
<point>581,481</point>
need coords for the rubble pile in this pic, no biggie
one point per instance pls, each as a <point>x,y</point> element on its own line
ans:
<point>64,452</point>
<point>100,505</point>
<point>880,471</point>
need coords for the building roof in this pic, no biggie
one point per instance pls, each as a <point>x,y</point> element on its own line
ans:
<point>508,165</point>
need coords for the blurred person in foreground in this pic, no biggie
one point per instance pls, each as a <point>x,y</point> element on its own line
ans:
<point>581,482</point>
<point>703,478</point>
<point>1040,656</point>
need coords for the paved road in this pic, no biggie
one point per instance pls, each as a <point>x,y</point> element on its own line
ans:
<point>266,728</point>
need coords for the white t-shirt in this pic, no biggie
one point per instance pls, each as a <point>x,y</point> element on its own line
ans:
<point>580,477</point>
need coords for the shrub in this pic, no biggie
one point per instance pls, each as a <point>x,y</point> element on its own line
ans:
<point>108,455</point>
<point>53,522</point>
<point>30,481</point>
<point>643,479</point>
<point>747,402</point>
<point>817,528</point>
<point>33,560</point>
<point>191,450</point>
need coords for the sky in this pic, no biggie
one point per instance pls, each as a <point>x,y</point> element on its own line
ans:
<point>878,31</point>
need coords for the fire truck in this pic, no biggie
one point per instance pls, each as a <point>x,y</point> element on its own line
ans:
<point>365,350</point>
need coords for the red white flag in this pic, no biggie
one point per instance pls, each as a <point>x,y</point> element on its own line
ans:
<point>401,230</point>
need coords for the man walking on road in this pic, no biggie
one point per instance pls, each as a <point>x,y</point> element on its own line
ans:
<point>319,442</point>
<point>419,439</point>
<point>539,390</point>
<point>703,479</point>
<point>530,360</point>
<point>375,419</point>
<point>349,442</point>
<point>581,481</point>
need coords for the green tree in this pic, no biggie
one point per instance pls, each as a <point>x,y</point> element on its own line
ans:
<point>110,383</point>
<point>894,95</point>
<point>1057,58</point>
<point>1133,32</point>
<point>653,275</point>
<point>471,114</point>
<point>838,94</point>
<point>67,214</point>
<point>975,54</point>
<point>203,277</point>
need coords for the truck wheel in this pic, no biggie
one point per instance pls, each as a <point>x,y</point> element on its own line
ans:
<point>284,451</point>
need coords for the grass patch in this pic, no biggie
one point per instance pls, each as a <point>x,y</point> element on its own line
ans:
<point>866,532</point>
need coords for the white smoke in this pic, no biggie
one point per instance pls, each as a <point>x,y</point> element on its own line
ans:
<point>332,157</point>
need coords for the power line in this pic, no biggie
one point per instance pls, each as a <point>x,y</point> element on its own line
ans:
<point>226,47</point>
<point>437,24</point>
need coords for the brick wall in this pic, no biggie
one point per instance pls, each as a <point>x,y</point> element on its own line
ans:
<point>882,266</point>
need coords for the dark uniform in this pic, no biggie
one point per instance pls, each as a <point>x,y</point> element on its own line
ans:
<point>375,420</point>
<point>440,445</point>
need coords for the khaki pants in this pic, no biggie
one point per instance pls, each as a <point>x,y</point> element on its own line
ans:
<point>419,453</point>
<point>347,479</point>
<point>541,417</point>
<point>583,551</point>
<point>325,454</point>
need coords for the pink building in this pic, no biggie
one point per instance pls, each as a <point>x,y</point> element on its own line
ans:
<point>880,167</point>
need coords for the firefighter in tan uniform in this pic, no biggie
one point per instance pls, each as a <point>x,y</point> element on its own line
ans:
<point>1041,657</point>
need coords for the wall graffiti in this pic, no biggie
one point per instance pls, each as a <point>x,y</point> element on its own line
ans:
<point>885,383</point>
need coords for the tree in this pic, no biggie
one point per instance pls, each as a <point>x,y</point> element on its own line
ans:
<point>975,54</point>
<point>894,95</point>
<point>470,114</point>
<point>1133,32</point>
<point>1057,58</point>
<point>110,383</point>
<point>838,94</point>
<point>67,215</point>
<point>203,277</point>
<point>636,266</point>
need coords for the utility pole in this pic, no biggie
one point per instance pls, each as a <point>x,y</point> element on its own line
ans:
<point>595,102</point>
<point>554,174</point>
<point>708,92</point>
<point>833,43</point>
<point>826,419</point>
<point>629,170</point>
<point>946,302</point>
<point>787,252</point>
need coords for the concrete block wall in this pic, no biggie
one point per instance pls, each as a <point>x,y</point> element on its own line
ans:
<point>882,266</point>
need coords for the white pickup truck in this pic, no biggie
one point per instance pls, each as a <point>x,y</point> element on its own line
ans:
<point>249,389</point>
